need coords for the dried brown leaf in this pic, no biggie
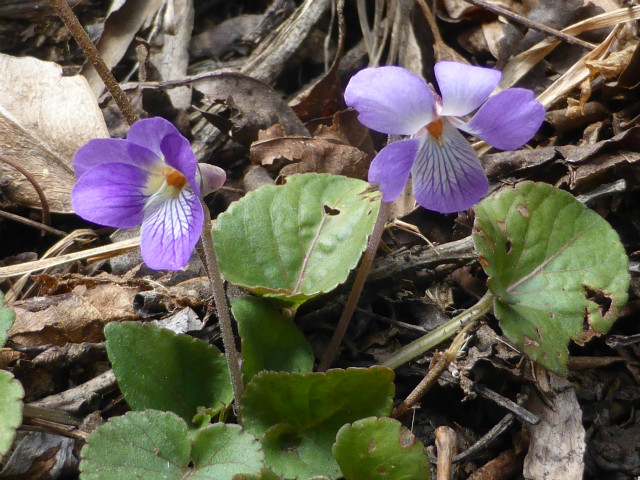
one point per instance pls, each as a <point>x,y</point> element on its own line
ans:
<point>255,105</point>
<point>79,316</point>
<point>44,119</point>
<point>342,148</point>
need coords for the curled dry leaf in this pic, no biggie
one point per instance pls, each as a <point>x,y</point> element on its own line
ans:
<point>587,166</point>
<point>342,148</point>
<point>79,316</point>
<point>44,119</point>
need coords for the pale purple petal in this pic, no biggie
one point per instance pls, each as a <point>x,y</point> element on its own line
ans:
<point>464,87</point>
<point>149,133</point>
<point>508,120</point>
<point>170,229</point>
<point>112,150</point>
<point>111,194</point>
<point>390,169</point>
<point>210,178</point>
<point>390,100</point>
<point>178,154</point>
<point>447,175</point>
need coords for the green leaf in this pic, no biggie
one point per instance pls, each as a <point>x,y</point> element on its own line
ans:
<point>7,316</point>
<point>11,395</point>
<point>269,341</point>
<point>265,474</point>
<point>557,269</point>
<point>156,445</point>
<point>380,449</point>
<point>161,370</point>
<point>297,416</point>
<point>221,451</point>
<point>296,241</point>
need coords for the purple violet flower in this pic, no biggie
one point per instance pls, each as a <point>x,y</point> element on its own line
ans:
<point>446,172</point>
<point>151,179</point>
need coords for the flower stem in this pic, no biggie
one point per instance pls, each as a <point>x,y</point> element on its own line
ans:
<point>73,24</point>
<point>440,334</point>
<point>211,264</point>
<point>365,267</point>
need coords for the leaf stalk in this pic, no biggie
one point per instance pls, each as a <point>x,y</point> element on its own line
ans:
<point>440,334</point>
<point>210,262</point>
<point>358,284</point>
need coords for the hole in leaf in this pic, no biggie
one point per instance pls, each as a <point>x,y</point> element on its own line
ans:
<point>508,246</point>
<point>599,298</point>
<point>330,211</point>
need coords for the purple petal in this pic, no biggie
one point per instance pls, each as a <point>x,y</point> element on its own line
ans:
<point>390,100</point>
<point>111,194</point>
<point>210,178</point>
<point>464,87</point>
<point>112,150</point>
<point>447,175</point>
<point>390,169</point>
<point>170,229</point>
<point>178,154</point>
<point>149,133</point>
<point>508,120</point>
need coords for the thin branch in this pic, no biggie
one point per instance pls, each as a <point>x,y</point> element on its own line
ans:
<point>442,362</point>
<point>31,223</point>
<point>43,199</point>
<point>539,27</point>
<point>73,24</point>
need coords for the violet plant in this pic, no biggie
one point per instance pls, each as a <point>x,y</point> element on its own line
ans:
<point>446,172</point>
<point>152,179</point>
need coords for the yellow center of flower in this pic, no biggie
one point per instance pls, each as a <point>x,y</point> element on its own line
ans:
<point>174,178</point>
<point>435,128</point>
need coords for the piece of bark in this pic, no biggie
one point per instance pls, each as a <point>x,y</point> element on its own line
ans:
<point>446,444</point>
<point>173,59</point>
<point>557,445</point>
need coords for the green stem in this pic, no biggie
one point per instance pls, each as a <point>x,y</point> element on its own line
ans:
<point>211,265</point>
<point>440,334</point>
<point>365,267</point>
<point>73,24</point>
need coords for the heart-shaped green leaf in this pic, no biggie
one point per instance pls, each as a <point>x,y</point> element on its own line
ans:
<point>380,449</point>
<point>7,316</point>
<point>296,241</point>
<point>161,370</point>
<point>156,446</point>
<point>11,394</point>
<point>297,416</point>
<point>269,340</point>
<point>557,269</point>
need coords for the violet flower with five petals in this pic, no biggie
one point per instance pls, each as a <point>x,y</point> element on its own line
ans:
<point>446,172</point>
<point>151,178</point>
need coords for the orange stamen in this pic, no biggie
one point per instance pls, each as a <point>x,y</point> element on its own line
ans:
<point>174,178</point>
<point>435,128</point>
